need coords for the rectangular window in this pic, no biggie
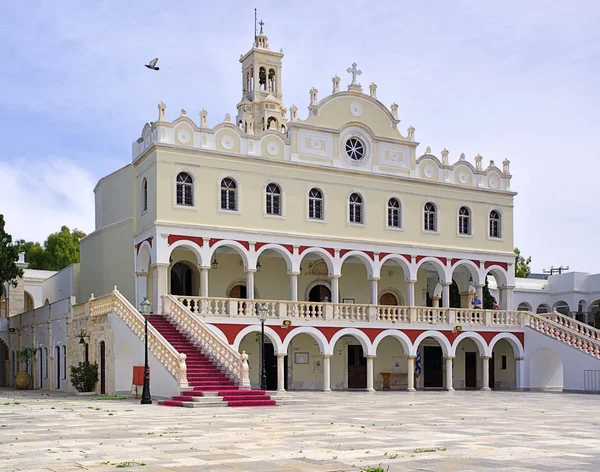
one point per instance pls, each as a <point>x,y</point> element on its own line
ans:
<point>503,362</point>
<point>315,210</point>
<point>394,217</point>
<point>355,213</point>
<point>228,199</point>
<point>429,222</point>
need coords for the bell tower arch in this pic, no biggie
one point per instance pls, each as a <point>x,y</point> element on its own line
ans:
<point>261,106</point>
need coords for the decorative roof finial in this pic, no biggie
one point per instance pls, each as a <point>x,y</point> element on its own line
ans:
<point>354,71</point>
<point>261,23</point>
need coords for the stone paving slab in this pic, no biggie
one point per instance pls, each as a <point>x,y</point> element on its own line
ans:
<point>335,432</point>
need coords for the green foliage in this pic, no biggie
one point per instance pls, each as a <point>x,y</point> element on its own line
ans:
<point>60,250</point>
<point>9,255</point>
<point>84,376</point>
<point>25,355</point>
<point>488,299</point>
<point>522,268</point>
<point>454,295</point>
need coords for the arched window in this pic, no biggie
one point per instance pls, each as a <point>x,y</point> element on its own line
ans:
<point>430,220</point>
<point>495,229</point>
<point>464,221</point>
<point>272,80</point>
<point>185,189</point>
<point>262,79</point>
<point>315,204</point>
<point>144,195</point>
<point>228,194</point>
<point>356,210</point>
<point>393,213</point>
<point>273,199</point>
<point>524,306</point>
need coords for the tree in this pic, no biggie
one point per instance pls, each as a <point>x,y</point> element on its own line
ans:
<point>9,255</point>
<point>60,250</point>
<point>522,268</point>
<point>488,298</point>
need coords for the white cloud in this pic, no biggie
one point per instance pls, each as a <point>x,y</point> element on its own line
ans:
<point>39,196</point>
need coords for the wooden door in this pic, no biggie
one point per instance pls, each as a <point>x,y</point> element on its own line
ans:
<point>388,299</point>
<point>492,368</point>
<point>319,293</point>
<point>357,367</point>
<point>470,369</point>
<point>239,291</point>
<point>432,367</point>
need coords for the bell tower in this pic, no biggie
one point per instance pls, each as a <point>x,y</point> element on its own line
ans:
<point>261,106</point>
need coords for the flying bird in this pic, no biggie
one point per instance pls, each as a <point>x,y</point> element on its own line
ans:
<point>152,64</point>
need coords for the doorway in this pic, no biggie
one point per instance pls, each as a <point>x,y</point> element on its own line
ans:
<point>357,367</point>
<point>470,369</point>
<point>239,291</point>
<point>102,368</point>
<point>432,367</point>
<point>271,368</point>
<point>181,279</point>
<point>57,349</point>
<point>492,368</point>
<point>388,299</point>
<point>319,293</point>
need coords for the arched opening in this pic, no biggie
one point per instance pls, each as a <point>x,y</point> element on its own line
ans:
<point>272,268</point>
<point>562,307</point>
<point>238,291</point>
<point>315,270</point>
<point>262,79</point>
<point>319,293</point>
<point>462,289</point>
<point>252,344</point>
<point>3,364</point>
<point>41,364</point>
<point>272,123</point>
<point>57,373</point>
<point>388,299</point>
<point>545,370</point>
<point>348,364</point>
<point>354,283</point>
<point>428,288</point>
<point>468,370</point>
<point>581,314</point>
<point>393,274</point>
<point>390,366</point>
<point>503,366</point>
<point>29,302</point>
<point>182,280</point>
<point>494,290</point>
<point>524,306</point>
<point>542,308</point>
<point>272,81</point>
<point>429,364</point>
<point>102,368</point>
<point>594,314</point>
<point>305,361</point>
<point>228,270</point>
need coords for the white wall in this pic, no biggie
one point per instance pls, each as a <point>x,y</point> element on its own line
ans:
<point>63,284</point>
<point>541,366</point>
<point>129,351</point>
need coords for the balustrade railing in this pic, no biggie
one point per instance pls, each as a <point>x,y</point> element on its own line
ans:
<point>571,323</point>
<point>583,342</point>
<point>315,311</point>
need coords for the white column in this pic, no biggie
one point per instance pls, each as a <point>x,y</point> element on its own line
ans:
<point>160,278</point>
<point>507,298</point>
<point>446,295</point>
<point>281,372</point>
<point>142,287</point>
<point>485,368</point>
<point>250,283</point>
<point>335,289</point>
<point>294,287</point>
<point>449,376</point>
<point>520,380</point>
<point>374,290</point>
<point>411,373</point>
<point>410,289</point>
<point>327,373</point>
<point>204,281</point>
<point>479,291</point>
<point>370,374</point>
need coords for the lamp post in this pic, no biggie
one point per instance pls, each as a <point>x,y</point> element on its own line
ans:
<point>146,307</point>
<point>262,309</point>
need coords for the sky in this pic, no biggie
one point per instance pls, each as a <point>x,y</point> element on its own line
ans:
<point>511,79</point>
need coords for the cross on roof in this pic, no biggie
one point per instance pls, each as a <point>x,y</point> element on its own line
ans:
<point>354,71</point>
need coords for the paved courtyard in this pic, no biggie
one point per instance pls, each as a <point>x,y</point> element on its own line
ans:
<point>425,431</point>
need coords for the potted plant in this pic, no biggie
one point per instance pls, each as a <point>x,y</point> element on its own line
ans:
<point>84,377</point>
<point>22,378</point>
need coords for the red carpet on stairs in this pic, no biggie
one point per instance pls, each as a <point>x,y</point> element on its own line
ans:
<point>203,375</point>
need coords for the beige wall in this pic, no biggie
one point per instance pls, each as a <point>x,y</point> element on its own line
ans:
<point>505,378</point>
<point>107,260</point>
<point>114,197</point>
<point>252,175</point>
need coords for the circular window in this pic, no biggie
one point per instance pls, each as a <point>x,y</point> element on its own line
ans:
<point>355,149</point>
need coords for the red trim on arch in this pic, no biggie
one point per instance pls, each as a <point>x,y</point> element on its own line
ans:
<point>383,255</point>
<point>301,249</point>
<point>344,251</point>
<point>213,241</point>
<point>442,259</point>
<point>288,247</point>
<point>487,264</point>
<point>456,259</point>
<point>173,238</point>
<point>138,245</point>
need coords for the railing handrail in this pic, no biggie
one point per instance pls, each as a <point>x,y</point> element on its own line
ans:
<point>574,322</point>
<point>573,333</point>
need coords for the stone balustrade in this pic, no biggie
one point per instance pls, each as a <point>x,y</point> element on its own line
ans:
<point>573,324</point>
<point>560,331</point>
<point>315,311</point>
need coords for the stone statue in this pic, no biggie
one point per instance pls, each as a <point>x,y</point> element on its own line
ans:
<point>394,109</point>
<point>336,84</point>
<point>183,112</point>
<point>478,159</point>
<point>245,380</point>
<point>492,164</point>
<point>313,96</point>
<point>506,166</point>
<point>445,156</point>
<point>428,150</point>
<point>411,133</point>
<point>227,118</point>
<point>373,90</point>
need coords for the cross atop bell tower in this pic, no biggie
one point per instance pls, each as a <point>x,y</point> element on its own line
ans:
<point>261,85</point>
